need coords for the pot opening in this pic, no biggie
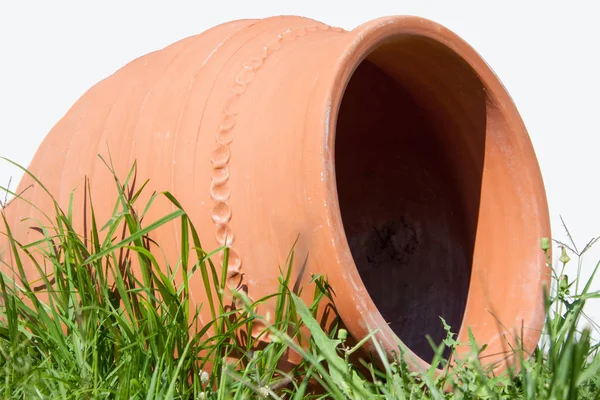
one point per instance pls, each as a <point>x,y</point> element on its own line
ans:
<point>410,140</point>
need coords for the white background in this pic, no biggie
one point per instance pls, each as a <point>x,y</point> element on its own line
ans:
<point>546,53</point>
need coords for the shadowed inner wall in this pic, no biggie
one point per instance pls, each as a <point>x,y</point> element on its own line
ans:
<point>410,141</point>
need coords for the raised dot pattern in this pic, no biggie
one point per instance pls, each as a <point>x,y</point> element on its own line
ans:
<point>220,192</point>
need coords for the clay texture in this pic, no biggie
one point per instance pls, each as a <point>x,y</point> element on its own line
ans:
<point>391,152</point>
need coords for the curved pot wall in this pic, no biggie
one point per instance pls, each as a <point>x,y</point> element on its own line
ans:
<point>392,150</point>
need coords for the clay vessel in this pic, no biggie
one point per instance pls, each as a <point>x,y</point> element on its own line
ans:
<point>392,152</point>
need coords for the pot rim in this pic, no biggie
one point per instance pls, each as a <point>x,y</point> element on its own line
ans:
<point>355,298</point>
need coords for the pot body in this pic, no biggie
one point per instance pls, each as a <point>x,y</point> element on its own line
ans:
<point>390,154</point>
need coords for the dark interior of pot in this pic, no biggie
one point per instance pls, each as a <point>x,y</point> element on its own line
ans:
<point>410,144</point>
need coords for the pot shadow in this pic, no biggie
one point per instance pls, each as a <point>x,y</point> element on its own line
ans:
<point>410,145</point>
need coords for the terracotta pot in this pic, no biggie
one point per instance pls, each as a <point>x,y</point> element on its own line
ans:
<point>392,151</point>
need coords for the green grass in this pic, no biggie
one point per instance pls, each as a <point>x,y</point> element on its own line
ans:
<point>105,333</point>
